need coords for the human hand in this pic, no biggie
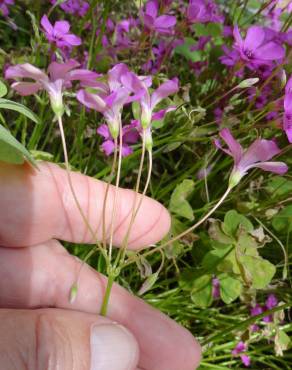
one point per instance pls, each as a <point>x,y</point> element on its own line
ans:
<point>39,328</point>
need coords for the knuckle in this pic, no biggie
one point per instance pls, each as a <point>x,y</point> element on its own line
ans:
<point>52,348</point>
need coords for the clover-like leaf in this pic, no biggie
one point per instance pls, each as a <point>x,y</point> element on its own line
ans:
<point>230,288</point>
<point>259,270</point>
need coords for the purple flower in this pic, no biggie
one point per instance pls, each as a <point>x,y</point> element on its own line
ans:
<point>255,49</point>
<point>59,33</point>
<point>287,122</point>
<point>203,11</point>
<point>257,155</point>
<point>162,24</point>
<point>215,288</point>
<point>4,9</point>
<point>230,57</point>
<point>60,76</point>
<point>237,351</point>
<point>271,301</point>
<point>130,136</point>
<point>256,310</point>
<point>108,97</point>
<point>76,7</point>
<point>148,102</point>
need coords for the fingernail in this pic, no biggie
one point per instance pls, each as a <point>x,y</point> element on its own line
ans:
<point>112,348</point>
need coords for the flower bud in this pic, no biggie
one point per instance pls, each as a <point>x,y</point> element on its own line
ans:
<point>249,82</point>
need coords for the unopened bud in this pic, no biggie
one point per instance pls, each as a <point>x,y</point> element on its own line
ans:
<point>73,293</point>
<point>249,82</point>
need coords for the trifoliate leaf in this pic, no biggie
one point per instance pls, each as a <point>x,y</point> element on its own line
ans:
<point>201,293</point>
<point>232,220</point>
<point>258,270</point>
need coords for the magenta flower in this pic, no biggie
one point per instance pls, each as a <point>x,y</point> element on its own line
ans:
<point>59,33</point>
<point>148,102</point>
<point>4,7</point>
<point>59,77</point>
<point>215,288</point>
<point>162,24</point>
<point>287,122</point>
<point>271,302</point>
<point>76,7</point>
<point>255,49</point>
<point>130,136</point>
<point>237,351</point>
<point>256,156</point>
<point>108,98</point>
<point>203,11</point>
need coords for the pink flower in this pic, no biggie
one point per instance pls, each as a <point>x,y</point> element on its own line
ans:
<point>4,9</point>
<point>256,156</point>
<point>59,77</point>
<point>130,136</point>
<point>162,24</point>
<point>287,122</point>
<point>237,351</point>
<point>255,49</point>
<point>59,33</point>
<point>139,87</point>
<point>108,97</point>
<point>77,7</point>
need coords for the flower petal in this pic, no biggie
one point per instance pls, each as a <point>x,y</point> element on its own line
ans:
<point>62,27</point>
<point>46,24</point>
<point>254,37</point>
<point>235,148</point>
<point>276,167</point>
<point>104,131</point>
<point>108,147</point>
<point>270,51</point>
<point>25,70</point>
<point>72,39</point>
<point>26,88</point>
<point>59,70</point>
<point>165,21</point>
<point>92,101</point>
<point>260,150</point>
<point>152,8</point>
<point>237,36</point>
<point>164,90</point>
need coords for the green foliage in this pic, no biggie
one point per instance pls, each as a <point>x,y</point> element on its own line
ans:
<point>3,89</point>
<point>11,105</point>
<point>282,221</point>
<point>234,260</point>
<point>11,150</point>
<point>178,201</point>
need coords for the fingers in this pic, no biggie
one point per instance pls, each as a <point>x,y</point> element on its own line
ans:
<point>38,205</point>
<point>58,339</point>
<point>41,276</point>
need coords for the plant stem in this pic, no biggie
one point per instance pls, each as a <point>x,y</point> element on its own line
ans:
<point>106,194</point>
<point>106,298</point>
<point>116,191</point>
<point>224,196</point>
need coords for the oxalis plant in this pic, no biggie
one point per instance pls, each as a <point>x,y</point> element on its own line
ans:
<point>122,83</point>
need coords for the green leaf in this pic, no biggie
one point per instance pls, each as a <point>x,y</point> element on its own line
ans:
<point>148,283</point>
<point>11,150</point>
<point>217,234</point>
<point>282,221</point>
<point>11,105</point>
<point>232,220</point>
<point>213,258</point>
<point>282,342</point>
<point>185,50</point>
<point>279,186</point>
<point>3,89</point>
<point>258,270</point>
<point>178,201</point>
<point>230,288</point>
<point>201,293</point>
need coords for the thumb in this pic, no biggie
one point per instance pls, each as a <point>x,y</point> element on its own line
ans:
<point>58,339</point>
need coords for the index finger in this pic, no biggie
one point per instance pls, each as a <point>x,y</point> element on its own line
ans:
<point>36,206</point>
